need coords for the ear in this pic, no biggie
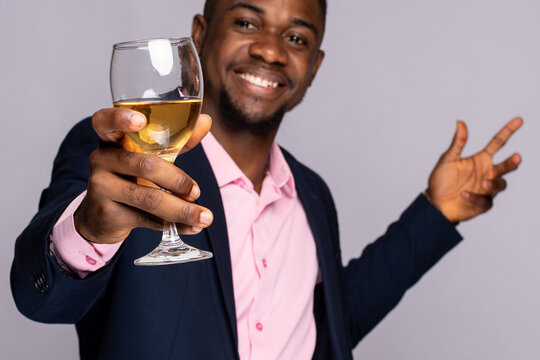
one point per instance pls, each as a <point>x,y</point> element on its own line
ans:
<point>198,31</point>
<point>318,61</point>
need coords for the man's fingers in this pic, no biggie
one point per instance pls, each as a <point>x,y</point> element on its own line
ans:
<point>150,200</point>
<point>499,184</point>
<point>202,126</point>
<point>458,143</point>
<point>494,186</point>
<point>110,124</point>
<point>481,202</point>
<point>503,135</point>
<point>148,167</point>
<point>510,164</point>
<point>139,218</point>
<point>105,221</point>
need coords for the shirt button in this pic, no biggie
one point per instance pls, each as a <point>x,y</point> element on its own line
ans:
<point>259,326</point>
<point>264,263</point>
<point>90,260</point>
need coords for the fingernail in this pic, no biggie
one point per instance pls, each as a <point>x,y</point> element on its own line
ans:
<point>465,195</point>
<point>196,229</point>
<point>137,120</point>
<point>205,218</point>
<point>487,185</point>
<point>195,192</point>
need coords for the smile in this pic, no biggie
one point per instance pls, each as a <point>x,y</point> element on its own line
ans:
<point>257,80</point>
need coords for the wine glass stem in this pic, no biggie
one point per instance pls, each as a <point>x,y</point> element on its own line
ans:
<point>170,235</point>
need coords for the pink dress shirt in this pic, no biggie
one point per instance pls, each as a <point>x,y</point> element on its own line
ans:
<point>273,257</point>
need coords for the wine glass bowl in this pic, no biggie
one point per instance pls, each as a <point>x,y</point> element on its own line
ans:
<point>162,79</point>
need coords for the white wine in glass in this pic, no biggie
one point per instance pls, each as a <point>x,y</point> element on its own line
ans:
<point>169,125</point>
<point>162,79</point>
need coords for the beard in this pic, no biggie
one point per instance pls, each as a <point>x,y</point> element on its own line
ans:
<point>236,119</point>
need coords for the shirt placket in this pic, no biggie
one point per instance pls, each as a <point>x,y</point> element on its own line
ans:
<point>261,239</point>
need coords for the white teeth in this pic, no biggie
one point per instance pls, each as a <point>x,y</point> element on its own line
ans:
<point>258,81</point>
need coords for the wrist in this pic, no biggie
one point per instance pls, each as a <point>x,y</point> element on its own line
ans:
<point>429,197</point>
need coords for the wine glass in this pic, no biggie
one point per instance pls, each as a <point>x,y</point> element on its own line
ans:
<point>162,79</point>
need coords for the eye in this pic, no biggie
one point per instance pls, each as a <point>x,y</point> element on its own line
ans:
<point>297,40</point>
<point>245,25</point>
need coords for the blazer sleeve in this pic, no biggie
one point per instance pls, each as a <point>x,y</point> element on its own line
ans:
<point>41,290</point>
<point>377,280</point>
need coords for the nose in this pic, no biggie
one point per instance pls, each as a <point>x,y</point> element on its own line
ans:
<point>268,47</point>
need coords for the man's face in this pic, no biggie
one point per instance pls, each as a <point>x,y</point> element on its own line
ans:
<point>260,54</point>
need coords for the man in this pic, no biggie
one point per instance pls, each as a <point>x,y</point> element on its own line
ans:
<point>276,288</point>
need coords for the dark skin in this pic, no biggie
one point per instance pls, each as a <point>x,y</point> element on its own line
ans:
<point>115,203</point>
<point>265,54</point>
<point>462,188</point>
<point>277,41</point>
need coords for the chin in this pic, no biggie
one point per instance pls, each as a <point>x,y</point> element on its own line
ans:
<point>256,120</point>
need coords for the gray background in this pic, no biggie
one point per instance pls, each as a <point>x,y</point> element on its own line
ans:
<point>396,77</point>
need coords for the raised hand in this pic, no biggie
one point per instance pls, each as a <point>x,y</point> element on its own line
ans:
<point>116,202</point>
<point>462,188</point>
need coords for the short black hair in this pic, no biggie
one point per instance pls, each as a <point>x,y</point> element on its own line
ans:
<point>209,6</point>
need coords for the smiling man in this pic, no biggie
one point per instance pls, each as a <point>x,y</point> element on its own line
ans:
<point>259,58</point>
<point>276,287</point>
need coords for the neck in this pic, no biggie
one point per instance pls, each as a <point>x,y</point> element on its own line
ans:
<point>249,151</point>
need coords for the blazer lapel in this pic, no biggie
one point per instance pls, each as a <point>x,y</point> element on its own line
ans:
<point>196,165</point>
<point>316,209</point>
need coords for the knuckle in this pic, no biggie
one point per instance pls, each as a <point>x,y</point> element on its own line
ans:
<point>144,198</point>
<point>152,199</point>
<point>99,219</point>
<point>119,115</point>
<point>186,214</point>
<point>99,185</point>
<point>141,164</point>
<point>144,164</point>
<point>499,141</point>
<point>94,183</point>
<point>94,159</point>
<point>131,194</point>
<point>184,184</point>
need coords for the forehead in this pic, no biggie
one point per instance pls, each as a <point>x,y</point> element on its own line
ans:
<point>305,10</point>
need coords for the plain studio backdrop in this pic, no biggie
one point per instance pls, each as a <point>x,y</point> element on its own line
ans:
<point>396,77</point>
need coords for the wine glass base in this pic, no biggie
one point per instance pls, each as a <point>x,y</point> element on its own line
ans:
<point>173,254</point>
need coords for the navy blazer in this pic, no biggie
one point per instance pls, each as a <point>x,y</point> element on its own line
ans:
<point>187,311</point>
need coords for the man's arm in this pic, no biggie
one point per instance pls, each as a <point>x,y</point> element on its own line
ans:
<point>376,281</point>
<point>37,281</point>
<point>459,189</point>
<point>114,205</point>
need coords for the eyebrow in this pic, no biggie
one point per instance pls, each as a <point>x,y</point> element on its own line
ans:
<point>247,6</point>
<point>296,21</point>
<point>304,23</point>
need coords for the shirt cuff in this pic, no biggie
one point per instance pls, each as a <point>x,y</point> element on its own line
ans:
<point>73,253</point>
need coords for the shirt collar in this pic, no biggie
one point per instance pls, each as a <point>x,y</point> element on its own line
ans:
<point>226,170</point>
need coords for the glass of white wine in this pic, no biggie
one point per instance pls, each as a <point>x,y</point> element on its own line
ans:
<point>162,79</point>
